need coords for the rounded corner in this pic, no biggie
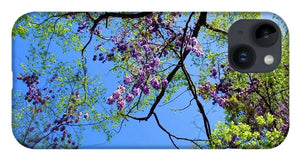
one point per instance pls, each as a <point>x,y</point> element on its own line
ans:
<point>13,31</point>
<point>19,143</point>
<point>279,144</point>
<point>278,17</point>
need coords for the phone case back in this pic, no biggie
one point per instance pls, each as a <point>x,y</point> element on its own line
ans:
<point>94,80</point>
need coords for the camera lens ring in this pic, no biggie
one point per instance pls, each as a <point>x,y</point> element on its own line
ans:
<point>243,57</point>
<point>266,34</point>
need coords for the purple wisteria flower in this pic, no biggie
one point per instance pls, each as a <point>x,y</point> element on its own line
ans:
<point>213,73</point>
<point>148,20</point>
<point>188,47</point>
<point>206,86</point>
<point>146,89</point>
<point>122,88</point>
<point>199,52</point>
<point>110,100</point>
<point>127,80</point>
<point>121,104</point>
<point>155,63</point>
<point>193,41</point>
<point>142,74</point>
<point>213,93</point>
<point>221,101</point>
<point>116,94</point>
<point>129,97</point>
<point>282,107</point>
<point>135,91</point>
<point>164,83</point>
<point>154,83</point>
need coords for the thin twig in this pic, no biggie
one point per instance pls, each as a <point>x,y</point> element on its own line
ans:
<point>178,138</point>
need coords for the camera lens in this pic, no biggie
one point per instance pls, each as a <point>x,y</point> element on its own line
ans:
<point>243,57</point>
<point>266,35</point>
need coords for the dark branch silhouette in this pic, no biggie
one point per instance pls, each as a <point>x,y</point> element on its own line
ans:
<point>194,141</point>
<point>201,21</point>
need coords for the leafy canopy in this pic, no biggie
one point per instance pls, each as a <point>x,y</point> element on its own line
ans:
<point>152,56</point>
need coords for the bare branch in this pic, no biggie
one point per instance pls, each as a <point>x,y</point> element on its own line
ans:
<point>178,138</point>
<point>211,27</point>
<point>53,16</point>
<point>170,101</point>
<point>170,137</point>
<point>184,34</point>
<point>200,106</point>
<point>90,16</point>
<point>181,109</point>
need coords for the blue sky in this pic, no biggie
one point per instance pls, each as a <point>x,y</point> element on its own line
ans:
<point>136,134</point>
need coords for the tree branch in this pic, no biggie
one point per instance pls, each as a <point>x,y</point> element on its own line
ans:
<point>201,21</point>
<point>178,138</point>
<point>211,27</point>
<point>119,15</point>
<point>256,91</point>
<point>170,101</point>
<point>181,109</point>
<point>200,106</point>
<point>104,16</point>
<point>184,34</point>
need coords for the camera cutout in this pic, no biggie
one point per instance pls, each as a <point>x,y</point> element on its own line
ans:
<point>243,56</point>
<point>266,35</point>
<point>254,46</point>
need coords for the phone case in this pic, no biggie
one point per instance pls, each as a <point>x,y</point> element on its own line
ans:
<point>98,80</point>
